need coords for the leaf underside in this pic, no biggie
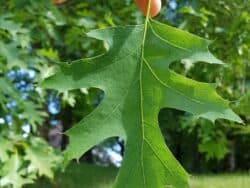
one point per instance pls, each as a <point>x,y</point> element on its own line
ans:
<point>137,81</point>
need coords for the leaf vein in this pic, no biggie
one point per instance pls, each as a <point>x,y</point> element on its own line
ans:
<point>167,86</point>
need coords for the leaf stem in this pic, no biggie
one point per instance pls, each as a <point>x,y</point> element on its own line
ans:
<point>146,25</point>
<point>141,66</point>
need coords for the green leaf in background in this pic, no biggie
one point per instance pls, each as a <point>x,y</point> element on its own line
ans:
<point>31,113</point>
<point>137,81</point>
<point>6,88</point>
<point>12,174</point>
<point>7,51</point>
<point>17,169</point>
<point>42,158</point>
<point>242,106</point>
<point>10,26</point>
<point>5,146</point>
<point>30,110</point>
<point>214,148</point>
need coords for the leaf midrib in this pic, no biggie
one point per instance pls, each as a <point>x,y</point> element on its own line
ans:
<point>142,61</point>
<point>141,91</point>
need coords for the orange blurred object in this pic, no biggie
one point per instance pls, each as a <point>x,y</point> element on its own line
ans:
<point>58,2</point>
<point>155,6</point>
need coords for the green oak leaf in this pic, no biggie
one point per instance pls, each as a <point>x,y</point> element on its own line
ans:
<point>42,158</point>
<point>13,174</point>
<point>12,55</point>
<point>5,146</point>
<point>6,88</point>
<point>32,112</point>
<point>137,81</point>
<point>214,148</point>
<point>242,106</point>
